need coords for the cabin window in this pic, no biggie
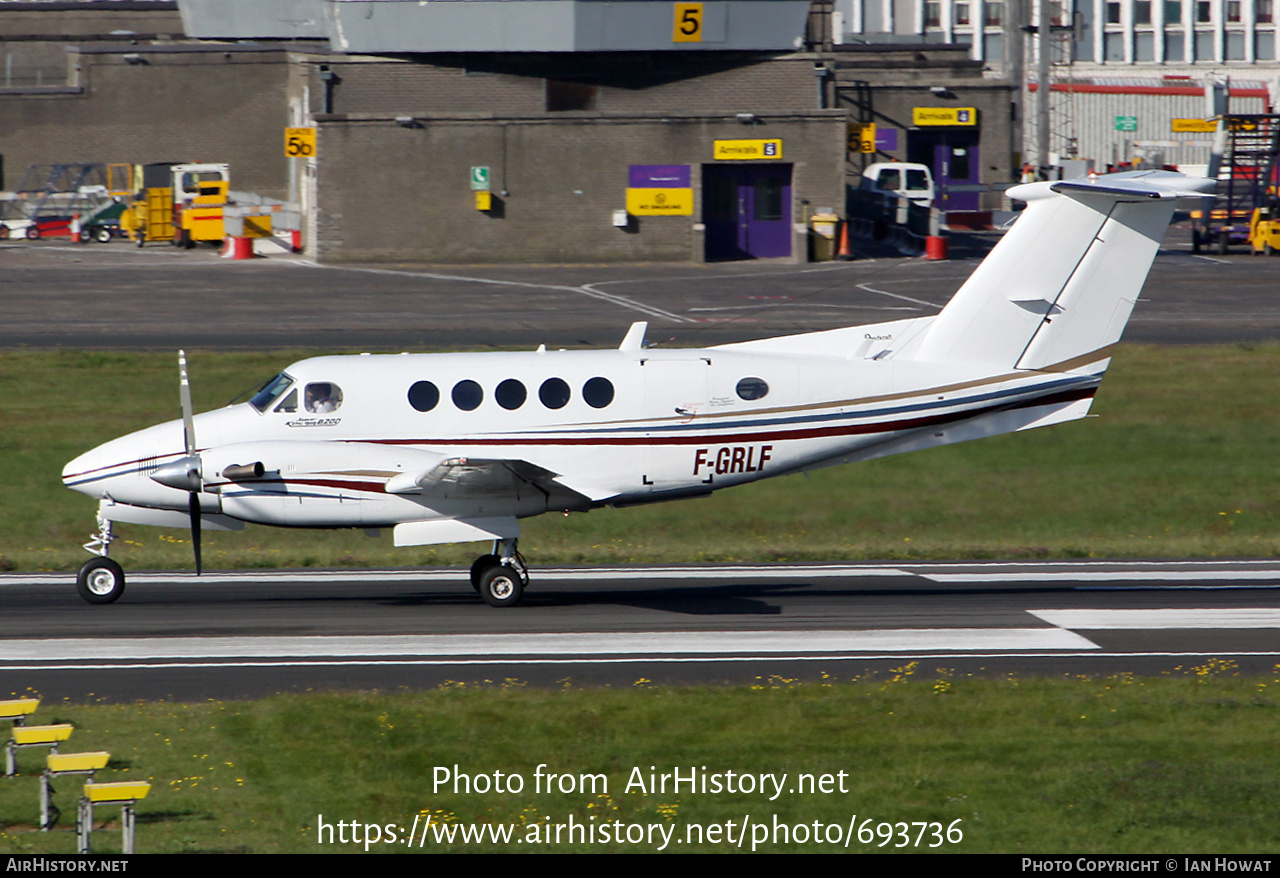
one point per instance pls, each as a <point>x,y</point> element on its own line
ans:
<point>290,403</point>
<point>467,395</point>
<point>752,388</point>
<point>554,393</point>
<point>424,396</point>
<point>598,392</point>
<point>510,394</point>
<point>323,397</point>
<point>270,392</point>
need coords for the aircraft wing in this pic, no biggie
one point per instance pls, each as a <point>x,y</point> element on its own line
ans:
<point>472,478</point>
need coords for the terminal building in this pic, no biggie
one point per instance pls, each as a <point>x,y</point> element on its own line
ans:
<point>507,130</point>
<point>1121,71</point>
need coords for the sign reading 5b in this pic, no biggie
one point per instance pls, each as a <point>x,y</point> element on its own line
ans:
<point>299,142</point>
<point>687,27</point>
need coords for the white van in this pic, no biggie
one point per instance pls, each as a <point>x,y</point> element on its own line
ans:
<point>900,178</point>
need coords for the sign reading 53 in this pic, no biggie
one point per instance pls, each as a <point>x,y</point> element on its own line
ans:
<point>687,27</point>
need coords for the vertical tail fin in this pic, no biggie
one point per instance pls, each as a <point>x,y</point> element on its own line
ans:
<point>1062,282</point>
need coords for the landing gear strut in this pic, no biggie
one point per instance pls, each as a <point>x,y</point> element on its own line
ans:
<point>100,580</point>
<point>500,577</point>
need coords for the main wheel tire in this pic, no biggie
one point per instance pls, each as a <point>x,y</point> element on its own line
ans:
<point>100,581</point>
<point>1267,249</point>
<point>33,232</point>
<point>84,236</point>
<point>102,235</point>
<point>501,586</point>
<point>483,563</point>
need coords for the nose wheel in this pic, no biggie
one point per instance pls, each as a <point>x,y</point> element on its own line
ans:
<point>500,577</point>
<point>100,581</point>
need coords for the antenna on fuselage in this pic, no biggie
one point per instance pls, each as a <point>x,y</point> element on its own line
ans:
<point>634,339</point>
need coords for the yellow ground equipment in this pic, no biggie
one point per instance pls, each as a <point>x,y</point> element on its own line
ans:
<point>199,196</point>
<point>1264,230</point>
<point>181,204</point>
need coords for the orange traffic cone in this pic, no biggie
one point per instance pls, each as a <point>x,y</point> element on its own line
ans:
<point>844,252</point>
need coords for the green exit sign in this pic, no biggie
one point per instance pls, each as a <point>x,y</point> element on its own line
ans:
<point>1126,123</point>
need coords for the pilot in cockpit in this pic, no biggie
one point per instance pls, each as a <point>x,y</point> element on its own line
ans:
<point>323,397</point>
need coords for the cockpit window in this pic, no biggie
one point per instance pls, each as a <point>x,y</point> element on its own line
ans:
<point>323,397</point>
<point>290,403</point>
<point>270,392</point>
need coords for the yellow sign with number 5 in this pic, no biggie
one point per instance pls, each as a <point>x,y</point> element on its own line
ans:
<point>299,142</point>
<point>688,23</point>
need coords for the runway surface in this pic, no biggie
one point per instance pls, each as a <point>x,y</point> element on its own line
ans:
<point>247,634</point>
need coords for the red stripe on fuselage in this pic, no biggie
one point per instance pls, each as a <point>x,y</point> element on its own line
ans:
<point>1064,396</point>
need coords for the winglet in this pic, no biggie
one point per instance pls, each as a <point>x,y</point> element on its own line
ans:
<point>634,339</point>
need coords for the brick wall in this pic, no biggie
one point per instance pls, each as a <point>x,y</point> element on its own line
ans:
<point>404,193</point>
<point>178,106</point>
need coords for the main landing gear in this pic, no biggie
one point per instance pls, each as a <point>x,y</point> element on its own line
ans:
<point>500,577</point>
<point>100,580</point>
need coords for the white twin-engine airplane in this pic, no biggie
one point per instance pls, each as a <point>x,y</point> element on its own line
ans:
<point>458,447</point>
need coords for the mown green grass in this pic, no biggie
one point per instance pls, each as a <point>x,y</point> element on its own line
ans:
<point>1181,461</point>
<point>1181,763</point>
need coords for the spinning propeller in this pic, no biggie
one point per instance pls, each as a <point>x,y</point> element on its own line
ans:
<point>185,472</point>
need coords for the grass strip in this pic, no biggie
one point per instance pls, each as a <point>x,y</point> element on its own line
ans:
<point>1180,462</point>
<point>1180,763</point>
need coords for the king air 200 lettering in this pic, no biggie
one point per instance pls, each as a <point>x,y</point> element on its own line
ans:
<point>731,459</point>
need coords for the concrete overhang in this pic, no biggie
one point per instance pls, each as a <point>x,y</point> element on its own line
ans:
<point>419,26</point>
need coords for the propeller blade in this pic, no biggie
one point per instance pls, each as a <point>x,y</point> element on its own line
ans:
<point>189,440</point>
<point>193,509</point>
<point>188,420</point>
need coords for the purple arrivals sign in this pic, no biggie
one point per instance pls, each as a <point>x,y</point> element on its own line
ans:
<point>659,177</point>
<point>886,139</point>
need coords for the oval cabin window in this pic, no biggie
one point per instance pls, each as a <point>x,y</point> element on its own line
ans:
<point>598,392</point>
<point>554,393</point>
<point>510,394</point>
<point>424,396</point>
<point>467,395</point>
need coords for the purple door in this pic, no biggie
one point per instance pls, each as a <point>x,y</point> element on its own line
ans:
<point>953,157</point>
<point>747,211</point>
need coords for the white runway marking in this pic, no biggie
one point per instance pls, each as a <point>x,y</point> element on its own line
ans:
<point>585,289</point>
<point>741,644</point>
<point>1133,620</point>
<point>1108,576</point>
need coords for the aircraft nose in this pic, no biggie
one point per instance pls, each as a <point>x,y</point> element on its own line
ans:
<point>82,473</point>
<point>122,467</point>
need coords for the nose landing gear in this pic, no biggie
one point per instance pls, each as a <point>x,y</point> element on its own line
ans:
<point>100,580</point>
